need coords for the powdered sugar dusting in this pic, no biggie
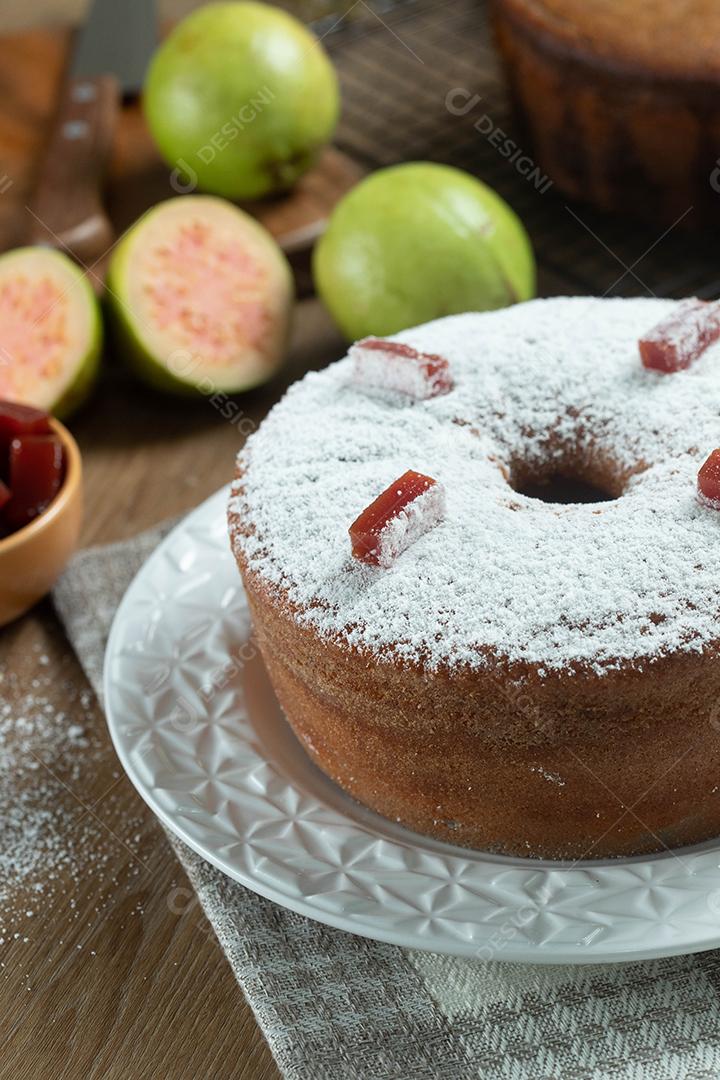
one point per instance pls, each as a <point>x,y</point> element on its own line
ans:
<point>711,504</point>
<point>48,843</point>
<point>551,777</point>
<point>33,827</point>
<point>503,575</point>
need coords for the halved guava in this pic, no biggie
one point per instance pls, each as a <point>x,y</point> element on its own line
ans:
<point>50,330</point>
<point>203,296</point>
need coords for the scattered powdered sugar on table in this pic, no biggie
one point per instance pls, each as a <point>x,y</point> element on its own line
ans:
<point>551,777</point>
<point>503,575</point>
<point>47,841</point>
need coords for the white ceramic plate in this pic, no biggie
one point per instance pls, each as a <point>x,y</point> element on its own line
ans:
<point>199,732</point>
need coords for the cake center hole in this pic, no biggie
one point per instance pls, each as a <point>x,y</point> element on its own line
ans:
<point>562,488</point>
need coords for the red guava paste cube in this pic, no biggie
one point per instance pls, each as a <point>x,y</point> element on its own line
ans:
<point>390,365</point>
<point>411,505</point>
<point>676,342</point>
<point>709,481</point>
<point>16,420</point>
<point>36,473</point>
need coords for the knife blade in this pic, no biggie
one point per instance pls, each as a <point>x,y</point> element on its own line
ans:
<point>110,56</point>
<point>118,38</point>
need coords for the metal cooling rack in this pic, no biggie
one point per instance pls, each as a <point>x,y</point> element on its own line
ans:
<point>397,62</point>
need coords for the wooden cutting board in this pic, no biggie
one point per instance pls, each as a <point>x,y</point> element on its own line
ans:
<point>31,69</point>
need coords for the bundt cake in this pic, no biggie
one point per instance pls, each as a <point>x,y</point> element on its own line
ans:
<point>478,661</point>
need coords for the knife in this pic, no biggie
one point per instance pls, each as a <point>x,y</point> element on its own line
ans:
<point>108,63</point>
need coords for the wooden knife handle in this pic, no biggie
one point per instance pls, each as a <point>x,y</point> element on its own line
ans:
<point>67,211</point>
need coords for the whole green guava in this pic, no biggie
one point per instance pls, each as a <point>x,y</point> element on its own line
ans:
<point>240,98</point>
<point>418,241</point>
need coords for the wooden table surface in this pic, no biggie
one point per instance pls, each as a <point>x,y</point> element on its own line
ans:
<point>116,974</point>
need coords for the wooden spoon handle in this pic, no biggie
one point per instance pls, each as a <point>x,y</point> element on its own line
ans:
<point>67,211</point>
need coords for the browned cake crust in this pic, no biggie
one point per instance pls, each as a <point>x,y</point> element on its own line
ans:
<point>526,678</point>
<point>620,102</point>
<point>567,766</point>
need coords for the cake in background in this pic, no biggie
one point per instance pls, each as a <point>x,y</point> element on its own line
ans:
<point>620,103</point>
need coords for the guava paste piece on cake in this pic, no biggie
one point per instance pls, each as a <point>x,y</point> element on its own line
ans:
<point>409,507</point>
<point>679,339</point>
<point>709,481</point>
<point>391,365</point>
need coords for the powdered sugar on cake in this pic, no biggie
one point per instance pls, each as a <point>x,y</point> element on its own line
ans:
<point>502,576</point>
<point>711,504</point>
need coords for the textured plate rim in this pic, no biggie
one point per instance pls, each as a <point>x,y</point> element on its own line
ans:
<point>512,951</point>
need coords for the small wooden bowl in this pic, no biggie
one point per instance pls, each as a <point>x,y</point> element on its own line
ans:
<point>32,559</point>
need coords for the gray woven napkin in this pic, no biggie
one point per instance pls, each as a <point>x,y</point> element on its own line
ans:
<point>338,1007</point>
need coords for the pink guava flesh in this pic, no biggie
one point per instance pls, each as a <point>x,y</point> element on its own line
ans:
<point>51,333</point>
<point>34,334</point>
<point>206,295</point>
<point>207,292</point>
